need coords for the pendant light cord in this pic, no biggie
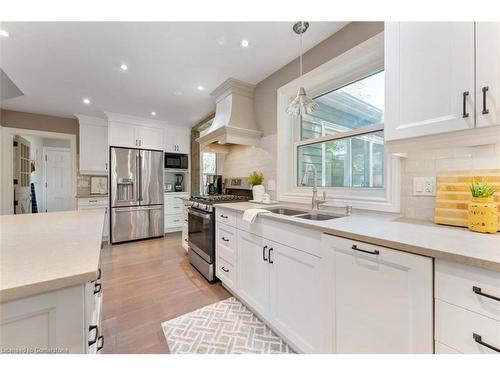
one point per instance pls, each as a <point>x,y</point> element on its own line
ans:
<point>301,32</point>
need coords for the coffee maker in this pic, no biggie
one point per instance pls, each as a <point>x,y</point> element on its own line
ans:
<point>179,182</point>
<point>214,184</point>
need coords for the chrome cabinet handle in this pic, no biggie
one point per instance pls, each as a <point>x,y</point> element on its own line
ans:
<point>485,110</point>
<point>477,290</point>
<point>264,253</point>
<point>477,338</point>
<point>374,252</point>
<point>225,270</point>
<point>97,288</point>
<point>270,252</point>
<point>465,114</point>
<point>100,344</point>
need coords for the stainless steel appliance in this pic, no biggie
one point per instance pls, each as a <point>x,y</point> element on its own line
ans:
<point>214,184</point>
<point>179,182</point>
<point>201,228</point>
<point>176,161</point>
<point>136,194</point>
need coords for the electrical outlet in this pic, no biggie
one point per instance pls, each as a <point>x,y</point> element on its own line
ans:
<point>424,186</point>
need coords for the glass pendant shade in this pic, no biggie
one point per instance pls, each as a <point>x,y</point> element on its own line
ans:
<point>302,104</point>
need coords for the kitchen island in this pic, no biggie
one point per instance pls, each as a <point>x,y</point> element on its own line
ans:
<point>49,282</point>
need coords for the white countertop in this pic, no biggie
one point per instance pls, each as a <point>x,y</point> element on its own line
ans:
<point>389,230</point>
<point>48,251</point>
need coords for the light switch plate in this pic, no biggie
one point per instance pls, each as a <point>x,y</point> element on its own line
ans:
<point>271,185</point>
<point>424,186</point>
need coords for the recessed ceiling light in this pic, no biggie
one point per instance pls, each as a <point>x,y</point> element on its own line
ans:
<point>123,67</point>
<point>86,101</point>
<point>4,33</point>
<point>244,43</point>
<point>153,113</point>
<point>200,88</point>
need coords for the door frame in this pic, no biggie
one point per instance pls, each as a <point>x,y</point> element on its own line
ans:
<point>7,139</point>
<point>44,151</point>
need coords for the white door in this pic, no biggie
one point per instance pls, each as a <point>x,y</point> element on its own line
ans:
<point>151,138</point>
<point>253,271</point>
<point>122,134</point>
<point>57,180</point>
<point>429,72</point>
<point>298,302</point>
<point>383,299</point>
<point>93,148</point>
<point>488,73</point>
<point>22,175</point>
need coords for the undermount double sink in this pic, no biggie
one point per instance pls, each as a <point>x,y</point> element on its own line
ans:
<point>301,214</point>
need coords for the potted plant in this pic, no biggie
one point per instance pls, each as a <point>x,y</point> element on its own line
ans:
<point>483,211</point>
<point>255,179</point>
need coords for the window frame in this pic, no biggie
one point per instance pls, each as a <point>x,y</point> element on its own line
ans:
<point>357,63</point>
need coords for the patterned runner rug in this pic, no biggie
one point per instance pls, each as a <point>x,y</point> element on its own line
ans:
<point>225,327</point>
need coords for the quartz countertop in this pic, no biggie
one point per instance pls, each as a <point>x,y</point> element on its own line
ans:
<point>48,251</point>
<point>389,230</point>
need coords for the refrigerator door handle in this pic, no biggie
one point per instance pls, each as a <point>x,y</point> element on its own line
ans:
<point>141,208</point>
<point>139,181</point>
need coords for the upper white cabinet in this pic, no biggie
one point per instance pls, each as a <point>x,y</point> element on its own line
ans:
<point>488,73</point>
<point>429,72</point>
<point>383,299</point>
<point>93,145</point>
<point>128,131</point>
<point>177,140</point>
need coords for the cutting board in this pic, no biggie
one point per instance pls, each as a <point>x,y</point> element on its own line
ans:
<point>453,194</point>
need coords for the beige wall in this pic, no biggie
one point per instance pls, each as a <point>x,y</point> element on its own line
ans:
<point>33,121</point>
<point>343,40</point>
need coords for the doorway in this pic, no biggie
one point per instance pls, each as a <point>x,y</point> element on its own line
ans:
<point>57,179</point>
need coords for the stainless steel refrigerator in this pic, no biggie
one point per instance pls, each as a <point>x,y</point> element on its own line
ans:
<point>136,194</point>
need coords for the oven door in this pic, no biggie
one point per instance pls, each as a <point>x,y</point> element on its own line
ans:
<point>201,233</point>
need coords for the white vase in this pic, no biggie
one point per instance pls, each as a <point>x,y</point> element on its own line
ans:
<point>258,192</point>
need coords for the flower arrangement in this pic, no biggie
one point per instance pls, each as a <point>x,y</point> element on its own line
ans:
<point>256,178</point>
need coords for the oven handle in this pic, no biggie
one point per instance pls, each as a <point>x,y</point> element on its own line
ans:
<point>191,211</point>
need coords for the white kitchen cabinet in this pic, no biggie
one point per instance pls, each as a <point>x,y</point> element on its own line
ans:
<point>429,73</point>
<point>298,303</point>
<point>91,203</point>
<point>93,139</point>
<point>177,140</point>
<point>125,134</point>
<point>174,211</point>
<point>253,271</point>
<point>488,73</point>
<point>383,299</point>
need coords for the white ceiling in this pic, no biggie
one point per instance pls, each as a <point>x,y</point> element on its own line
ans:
<point>56,65</point>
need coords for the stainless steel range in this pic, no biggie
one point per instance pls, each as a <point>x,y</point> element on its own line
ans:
<point>201,225</point>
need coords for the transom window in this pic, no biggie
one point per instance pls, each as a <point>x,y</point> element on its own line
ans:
<point>344,139</point>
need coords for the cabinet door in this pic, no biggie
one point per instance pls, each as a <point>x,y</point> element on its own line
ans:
<point>122,134</point>
<point>170,139</point>
<point>429,72</point>
<point>298,302</point>
<point>253,271</point>
<point>383,299</point>
<point>93,149</point>
<point>183,140</point>
<point>488,73</point>
<point>151,138</point>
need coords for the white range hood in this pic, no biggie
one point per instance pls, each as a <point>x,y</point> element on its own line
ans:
<point>234,121</point>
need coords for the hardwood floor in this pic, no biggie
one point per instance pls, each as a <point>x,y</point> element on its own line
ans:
<point>144,284</point>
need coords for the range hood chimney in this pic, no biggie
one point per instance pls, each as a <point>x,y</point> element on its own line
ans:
<point>234,121</point>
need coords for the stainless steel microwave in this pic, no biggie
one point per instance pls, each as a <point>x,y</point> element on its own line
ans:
<point>176,161</point>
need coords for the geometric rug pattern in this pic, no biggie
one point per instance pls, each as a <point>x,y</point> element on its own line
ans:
<point>225,327</point>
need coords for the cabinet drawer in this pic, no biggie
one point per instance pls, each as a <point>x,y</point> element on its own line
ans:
<point>226,235</point>
<point>225,271</point>
<point>226,216</point>
<point>454,283</point>
<point>174,209</point>
<point>84,203</point>
<point>173,221</point>
<point>226,253</point>
<point>455,327</point>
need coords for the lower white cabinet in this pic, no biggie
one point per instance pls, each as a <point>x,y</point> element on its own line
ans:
<point>174,211</point>
<point>383,299</point>
<point>93,203</point>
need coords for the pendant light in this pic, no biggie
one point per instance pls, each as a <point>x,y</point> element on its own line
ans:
<point>302,104</point>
